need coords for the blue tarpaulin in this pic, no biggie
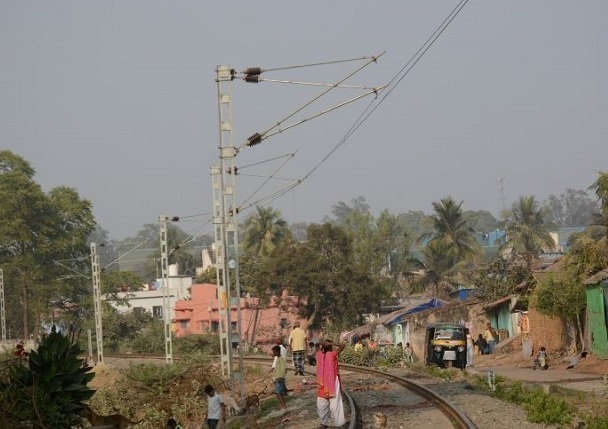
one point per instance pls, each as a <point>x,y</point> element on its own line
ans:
<point>433,303</point>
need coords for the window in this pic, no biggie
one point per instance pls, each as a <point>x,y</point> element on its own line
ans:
<point>184,324</point>
<point>157,312</point>
<point>215,326</point>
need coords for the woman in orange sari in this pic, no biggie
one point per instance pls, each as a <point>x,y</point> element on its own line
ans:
<point>329,394</point>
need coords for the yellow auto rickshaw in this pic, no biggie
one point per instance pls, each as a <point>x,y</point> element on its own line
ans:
<point>446,345</point>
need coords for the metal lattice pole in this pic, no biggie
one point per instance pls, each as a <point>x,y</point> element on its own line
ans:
<point>225,221</point>
<point>164,266</point>
<point>2,308</point>
<point>97,302</point>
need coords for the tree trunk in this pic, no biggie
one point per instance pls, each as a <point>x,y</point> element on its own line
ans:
<point>581,335</point>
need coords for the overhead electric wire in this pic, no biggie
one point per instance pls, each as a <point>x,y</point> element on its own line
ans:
<point>263,134</point>
<point>396,80</point>
<point>324,63</point>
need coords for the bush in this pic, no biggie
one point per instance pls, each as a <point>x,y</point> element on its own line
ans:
<point>387,357</point>
<point>540,406</point>
<point>48,386</point>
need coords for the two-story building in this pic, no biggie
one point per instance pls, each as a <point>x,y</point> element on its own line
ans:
<point>260,323</point>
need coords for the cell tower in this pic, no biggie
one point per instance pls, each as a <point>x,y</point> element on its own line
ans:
<point>502,205</point>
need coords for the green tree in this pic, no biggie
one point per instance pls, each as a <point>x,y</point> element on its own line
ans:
<point>481,220</point>
<point>527,232</point>
<point>497,278</point>
<point>451,228</point>
<point>562,295</point>
<point>600,186</point>
<point>333,288</point>
<point>571,208</point>
<point>184,250</point>
<point>438,266</point>
<point>264,230</point>
<point>343,211</point>
<point>37,230</point>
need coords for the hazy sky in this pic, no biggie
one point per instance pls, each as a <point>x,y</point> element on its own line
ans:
<point>118,99</point>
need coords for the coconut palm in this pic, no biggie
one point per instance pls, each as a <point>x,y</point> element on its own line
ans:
<point>264,230</point>
<point>450,227</point>
<point>437,267</point>
<point>600,186</point>
<point>527,232</point>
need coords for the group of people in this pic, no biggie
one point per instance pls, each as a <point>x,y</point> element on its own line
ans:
<point>330,407</point>
<point>486,342</point>
<point>329,391</point>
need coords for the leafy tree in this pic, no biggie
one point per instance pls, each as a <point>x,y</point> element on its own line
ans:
<point>497,279</point>
<point>131,330</point>
<point>571,208</point>
<point>332,287</point>
<point>342,211</point>
<point>481,220</point>
<point>527,232</point>
<point>416,223</point>
<point>298,230</point>
<point>181,251</point>
<point>392,245</point>
<point>264,230</point>
<point>37,230</point>
<point>562,295</point>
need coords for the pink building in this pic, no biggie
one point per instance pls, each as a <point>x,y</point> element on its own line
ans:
<point>260,323</point>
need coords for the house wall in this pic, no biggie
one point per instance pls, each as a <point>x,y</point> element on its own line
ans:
<point>546,331</point>
<point>470,314</point>
<point>260,324</point>
<point>596,317</point>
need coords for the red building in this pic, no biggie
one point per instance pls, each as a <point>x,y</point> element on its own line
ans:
<point>260,323</point>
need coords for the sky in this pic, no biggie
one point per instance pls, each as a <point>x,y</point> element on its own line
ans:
<point>118,100</point>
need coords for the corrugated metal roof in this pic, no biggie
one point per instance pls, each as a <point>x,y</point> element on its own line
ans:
<point>597,278</point>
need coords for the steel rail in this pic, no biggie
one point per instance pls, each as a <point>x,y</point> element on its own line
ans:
<point>457,417</point>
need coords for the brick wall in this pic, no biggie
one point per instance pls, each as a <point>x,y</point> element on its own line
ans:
<point>546,331</point>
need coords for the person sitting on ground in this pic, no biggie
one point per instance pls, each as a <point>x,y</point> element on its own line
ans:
<point>541,359</point>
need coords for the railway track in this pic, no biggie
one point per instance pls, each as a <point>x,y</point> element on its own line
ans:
<point>373,398</point>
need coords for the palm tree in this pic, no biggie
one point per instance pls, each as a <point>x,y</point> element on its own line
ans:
<point>450,227</point>
<point>527,232</point>
<point>600,186</point>
<point>437,266</point>
<point>264,230</point>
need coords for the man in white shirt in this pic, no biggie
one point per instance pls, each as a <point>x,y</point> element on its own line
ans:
<point>216,408</point>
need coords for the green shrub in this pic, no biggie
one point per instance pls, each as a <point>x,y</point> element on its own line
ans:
<point>48,386</point>
<point>540,406</point>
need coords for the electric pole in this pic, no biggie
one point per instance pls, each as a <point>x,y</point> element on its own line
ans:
<point>97,302</point>
<point>2,308</point>
<point>226,237</point>
<point>164,268</point>
<point>225,205</point>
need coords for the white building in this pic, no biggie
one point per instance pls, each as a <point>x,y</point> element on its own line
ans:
<point>151,298</point>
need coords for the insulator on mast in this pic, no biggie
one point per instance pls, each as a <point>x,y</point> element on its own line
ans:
<point>252,78</point>
<point>254,139</point>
